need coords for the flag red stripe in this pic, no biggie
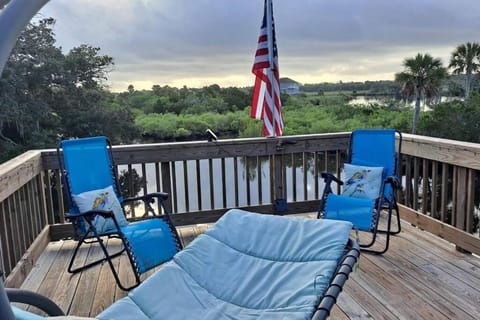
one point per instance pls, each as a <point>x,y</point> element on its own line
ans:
<point>266,104</point>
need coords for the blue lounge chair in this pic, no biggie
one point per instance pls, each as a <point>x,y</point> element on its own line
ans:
<point>247,266</point>
<point>96,211</point>
<point>369,186</point>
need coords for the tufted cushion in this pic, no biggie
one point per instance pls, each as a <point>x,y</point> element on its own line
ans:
<point>246,266</point>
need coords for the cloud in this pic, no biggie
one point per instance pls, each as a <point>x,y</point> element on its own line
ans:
<point>195,43</point>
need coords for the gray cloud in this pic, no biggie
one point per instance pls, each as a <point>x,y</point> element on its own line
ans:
<point>200,42</point>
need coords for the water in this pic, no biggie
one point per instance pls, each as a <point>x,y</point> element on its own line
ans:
<point>243,177</point>
<point>388,100</point>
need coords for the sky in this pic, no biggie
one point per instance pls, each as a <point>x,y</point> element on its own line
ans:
<point>202,42</point>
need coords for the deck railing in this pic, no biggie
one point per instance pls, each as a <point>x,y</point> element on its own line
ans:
<point>204,179</point>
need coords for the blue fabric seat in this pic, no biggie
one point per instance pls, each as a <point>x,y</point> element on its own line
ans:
<point>248,266</point>
<point>90,182</point>
<point>373,163</point>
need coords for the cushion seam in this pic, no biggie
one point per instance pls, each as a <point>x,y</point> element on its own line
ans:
<point>267,258</point>
<point>140,308</point>
<point>230,302</point>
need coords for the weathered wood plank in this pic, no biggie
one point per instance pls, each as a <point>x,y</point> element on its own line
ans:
<point>67,285</point>
<point>463,239</point>
<point>425,186</point>
<point>31,255</point>
<point>199,185</point>
<point>421,276</point>
<point>259,181</point>
<point>351,308</point>
<point>444,192</point>
<point>6,241</point>
<point>18,171</point>
<point>338,314</point>
<point>84,295</point>
<point>44,275</point>
<point>186,192</point>
<point>104,294</point>
<point>225,148</point>
<point>125,273</point>
<point>167,185</point>
<point>454,152</point>
<point>372,305</point>
<point>235,180</point>
<point>467,263</point>
<point>382,280</point>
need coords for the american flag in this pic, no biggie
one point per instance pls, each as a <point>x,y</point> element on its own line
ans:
<point>266,103</point>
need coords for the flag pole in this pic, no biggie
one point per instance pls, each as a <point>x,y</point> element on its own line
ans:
<point>270,58</point>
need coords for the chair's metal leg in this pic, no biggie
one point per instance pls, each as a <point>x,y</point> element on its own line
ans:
<point>399,226</point>
<point>70,270</point>
<point>115,274</point>
<point>86,266</point>
<point>107,257</point>
<point>387,240</point>
<point>393,206</point>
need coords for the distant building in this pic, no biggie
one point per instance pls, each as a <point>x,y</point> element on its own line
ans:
<point>289,86</point>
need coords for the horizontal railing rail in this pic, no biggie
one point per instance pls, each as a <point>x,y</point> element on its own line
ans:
<point>272,175</point>
<point>206,178</point>
<point>441,187</point>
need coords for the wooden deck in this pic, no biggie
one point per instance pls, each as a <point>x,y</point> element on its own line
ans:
<point>420,277</point>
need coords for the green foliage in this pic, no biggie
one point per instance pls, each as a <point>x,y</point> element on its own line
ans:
<point>307,118</point>
<point>421,79</point>
<point>463,115</point>
<point>172,127</point>
<point>128,179</point>
<point>186,100</point>
<point>45,94</point>
<point>28,78</point>
<point>466,58</point>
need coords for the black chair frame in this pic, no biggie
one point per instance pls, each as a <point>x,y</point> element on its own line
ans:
<point>382,202</point>
<point>92,236</point>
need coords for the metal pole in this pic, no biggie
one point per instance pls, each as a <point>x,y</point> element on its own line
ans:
<point>13,18</point>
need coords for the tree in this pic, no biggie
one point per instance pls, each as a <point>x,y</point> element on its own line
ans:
<point>421,79</point>
<point>46,95</point>
<point>464,115</point>
<point>32,72</point>
<point>466,58</point>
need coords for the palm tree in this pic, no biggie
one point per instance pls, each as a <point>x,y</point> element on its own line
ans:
<point>421,79</point>
<point>466,58</point>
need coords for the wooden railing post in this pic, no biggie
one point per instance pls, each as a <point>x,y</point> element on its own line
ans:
<point>459,212</point>
<point>166,185</point>
<point>2,265</point>
<point>278,183</point>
